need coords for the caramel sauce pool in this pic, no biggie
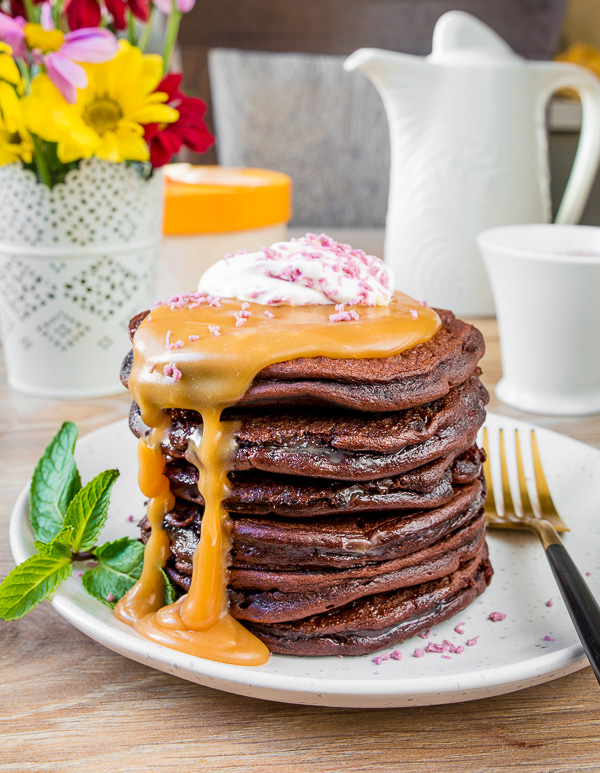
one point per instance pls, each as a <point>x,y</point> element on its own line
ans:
<point>216,371</point>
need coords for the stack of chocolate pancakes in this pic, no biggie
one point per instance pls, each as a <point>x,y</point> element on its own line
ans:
<point>356,496</point>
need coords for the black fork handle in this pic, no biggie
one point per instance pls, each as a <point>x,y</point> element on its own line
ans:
<point>582,606</point>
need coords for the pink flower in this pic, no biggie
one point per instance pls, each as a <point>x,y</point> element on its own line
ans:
<point>11,32</point>
<point>166,6</point>
<point>59,54</point>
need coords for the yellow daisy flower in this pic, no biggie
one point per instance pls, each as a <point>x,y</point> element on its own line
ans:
<point>108,117</point>
<point>15,143</point>
<point>8,67</point>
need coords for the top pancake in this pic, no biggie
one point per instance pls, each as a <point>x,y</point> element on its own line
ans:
<point>415,376</point>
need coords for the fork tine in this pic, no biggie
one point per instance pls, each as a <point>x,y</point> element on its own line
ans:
<point>525,501</point>
<point>544,497</point>
<point>487,471</point>
<point>506,493</point>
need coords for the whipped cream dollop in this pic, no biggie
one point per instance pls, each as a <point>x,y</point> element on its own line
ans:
<point>301,272</point>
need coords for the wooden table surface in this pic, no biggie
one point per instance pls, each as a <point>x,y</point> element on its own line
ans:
<point>68,704</point>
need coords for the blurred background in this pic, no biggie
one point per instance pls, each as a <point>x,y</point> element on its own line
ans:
<point>278,97</point>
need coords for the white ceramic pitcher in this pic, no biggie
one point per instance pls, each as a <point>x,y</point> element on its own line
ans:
<point>469,152</point>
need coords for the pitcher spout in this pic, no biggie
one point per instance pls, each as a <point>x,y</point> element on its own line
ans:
<point>379,65</point>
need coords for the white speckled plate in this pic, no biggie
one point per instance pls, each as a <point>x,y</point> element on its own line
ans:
<point>509,655</point>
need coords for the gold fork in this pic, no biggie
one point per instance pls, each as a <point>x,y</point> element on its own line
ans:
<point>546,523</point>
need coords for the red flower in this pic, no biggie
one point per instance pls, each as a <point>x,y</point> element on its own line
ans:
<point>117,8</point>
<point>190,130</point>
<point>83,13</point>
<point>87,13</point>
<point>17,8</point>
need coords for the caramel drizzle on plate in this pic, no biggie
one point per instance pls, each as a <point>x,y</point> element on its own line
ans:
<point>216,371</point>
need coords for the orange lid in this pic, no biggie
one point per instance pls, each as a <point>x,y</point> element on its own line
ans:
<point>216,199</point>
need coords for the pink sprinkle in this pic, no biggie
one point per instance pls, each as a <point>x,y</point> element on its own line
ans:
<point>240,321</point>
<point>176,373</point>
<point>269,314</point>
<point>496,617</point>
<point>472,642</point>
<point>422,303</point>
<point>339,656</point>
<point>215,329</point>
<point>378,659</point>
<point>149,317</point>
<point>460,628</point>
<point>168,343</point>
<point>178,344</point>
<point>549,638</point>
<point>80,574</point>
<point>549,603</point>
<point>425,634</point>
<point>396,655</point>
<point>413,314</point>
<point>110,598</point>
<point>588,574</point>
<point>130,519</point>
<point>193,338</point>
<point>344,316</point>
<point>433,647</point>
<point>168,370</point>
<point>245,305</point>
<point>460,649</point>
<point>152,367</point>
<point>418,654</point>
<point>447,657</point>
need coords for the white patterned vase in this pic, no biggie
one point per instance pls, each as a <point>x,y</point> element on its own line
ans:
<point>77,261</point>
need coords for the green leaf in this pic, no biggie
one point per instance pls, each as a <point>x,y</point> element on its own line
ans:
<point>88,508</point>
<point>55,482</point>
<point>170,592</point>
<point>59,547</point>
<point>31,582</point>
<point>119,567</point>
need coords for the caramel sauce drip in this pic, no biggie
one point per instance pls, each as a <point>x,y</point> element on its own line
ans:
<point>216,371</point>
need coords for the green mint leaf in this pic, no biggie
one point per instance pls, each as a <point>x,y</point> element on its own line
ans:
<point>55,482</point>
<point>30,583</point>
<point>88,508</point>
<point>59,547</point>
<point>119,567</point>
<point>170,592</point>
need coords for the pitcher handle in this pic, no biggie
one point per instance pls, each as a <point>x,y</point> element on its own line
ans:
<point>565,75</point>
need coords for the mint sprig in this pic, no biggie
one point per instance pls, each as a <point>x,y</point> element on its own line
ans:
<point>88,509</point>
<point>66,521</point>
<point>55,482</point>
<point>32,581</point>
<point>119,566</point>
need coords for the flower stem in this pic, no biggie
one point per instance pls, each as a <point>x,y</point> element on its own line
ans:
<point>147,32</point>
<point>171,36</point>
<point>30,10</point>
<point>40,162</point>
<point>131,29</point>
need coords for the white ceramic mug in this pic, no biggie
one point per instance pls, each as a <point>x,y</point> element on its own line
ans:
<point>546,285</point>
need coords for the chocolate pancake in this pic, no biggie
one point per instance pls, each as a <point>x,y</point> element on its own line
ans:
<point>340,542</point>
<point>416,376</point>
<point>295,497</point>
<point>382,619</point>
<point>287,596</point>
<point>355,495</point>
<point>343,445</point>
